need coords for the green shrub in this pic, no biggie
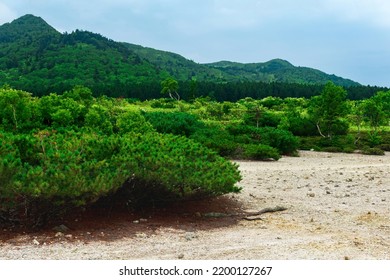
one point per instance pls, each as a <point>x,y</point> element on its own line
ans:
<point>374,139</point>
<point>217,139</point>
<point>180,166</point>
<point>45,173</point>
<point>177,123</point>
<point>266,118</point>
<point>385,147</point>
<point>299,126</point>
<point>260,152</point>
<point>164,103</point>
<point>340,127</point>
<point>16,109</point>
<point>332,149</point>
<point>58,171</point>
<point>133,122</point>
<point>98,118</point>
<point>373,151</point>
<point>284,141</point>
<point>310,143</point>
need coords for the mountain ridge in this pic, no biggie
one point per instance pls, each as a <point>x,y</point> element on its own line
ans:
<point>36,57</point>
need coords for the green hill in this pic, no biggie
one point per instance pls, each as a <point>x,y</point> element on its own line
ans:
<point>178,66</point>
<point>37,58</point>
<point>278,70</point>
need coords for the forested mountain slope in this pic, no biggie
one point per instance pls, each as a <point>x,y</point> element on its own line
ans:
<point>37,58</point>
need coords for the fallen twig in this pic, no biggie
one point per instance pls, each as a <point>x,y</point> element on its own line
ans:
<point>267,210</point>
<point>254,216</point>
<point>250,216</point>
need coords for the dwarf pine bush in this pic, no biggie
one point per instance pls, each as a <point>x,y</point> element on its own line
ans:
<point>45,173</point>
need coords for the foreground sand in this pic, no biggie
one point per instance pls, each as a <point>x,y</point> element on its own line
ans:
<point>338,207</point>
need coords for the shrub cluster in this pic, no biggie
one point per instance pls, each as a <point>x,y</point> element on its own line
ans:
<point>177,123</point>
<point>45,173</point>
<point>282,140</point>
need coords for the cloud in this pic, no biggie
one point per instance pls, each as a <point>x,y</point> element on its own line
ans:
<point>6,14</point>
<point>373,12</point>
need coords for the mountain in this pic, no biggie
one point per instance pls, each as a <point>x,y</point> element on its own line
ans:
<point>36,57</point>
<point>178,66</point>
<point>278,70</point>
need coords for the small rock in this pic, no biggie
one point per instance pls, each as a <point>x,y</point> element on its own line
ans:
<point>311,194</point>
<point>36,242</point>
<point>136,222</point>
<point>143,220</point>
<point>69,236</point>
<point>59,234</point>
<point>141,235</point>
<point>190,235</point>
<point>181,256</point>
<point>198,215</point>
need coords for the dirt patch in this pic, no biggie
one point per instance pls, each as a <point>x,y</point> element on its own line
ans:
<point>337,207</point>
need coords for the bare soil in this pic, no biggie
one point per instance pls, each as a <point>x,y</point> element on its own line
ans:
<point>338,207</point>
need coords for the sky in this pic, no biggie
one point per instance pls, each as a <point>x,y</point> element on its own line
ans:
<point>348,38</point>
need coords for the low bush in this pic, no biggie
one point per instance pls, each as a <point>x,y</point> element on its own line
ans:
<point>56,172</point>
<point>43,174</point>
<point>332,149</point>
<point>299,126</point>
<point>132,121</point>
<point>260,152</point>
<point>282,140</point>
<point>385,147</point>
<point>163,103</point>
<point>179,165</point>
<point>177,123</point>
<point>217,139</point>
<point>373,151</point>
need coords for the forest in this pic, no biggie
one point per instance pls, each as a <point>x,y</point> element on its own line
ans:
<point>64,151</point>
<point>36,58</point>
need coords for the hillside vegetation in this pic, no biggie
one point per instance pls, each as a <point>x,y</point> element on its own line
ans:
<point>37,58</point>
<point>58,152</point>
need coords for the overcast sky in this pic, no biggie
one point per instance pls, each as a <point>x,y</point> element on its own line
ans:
<point>348,38</point>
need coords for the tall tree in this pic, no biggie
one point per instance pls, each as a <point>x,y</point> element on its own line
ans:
<point>170,86</point>
<point>373,112</point>
<point>328,108</point>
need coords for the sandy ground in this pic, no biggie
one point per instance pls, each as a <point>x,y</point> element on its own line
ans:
<point>337,208</point>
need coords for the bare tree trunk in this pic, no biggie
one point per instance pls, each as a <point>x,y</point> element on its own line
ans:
<point>319,129</point>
